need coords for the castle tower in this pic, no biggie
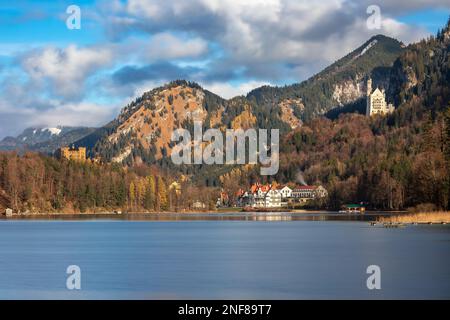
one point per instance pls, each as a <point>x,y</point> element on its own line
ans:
<point>368,96</point>
<point>369,86</point>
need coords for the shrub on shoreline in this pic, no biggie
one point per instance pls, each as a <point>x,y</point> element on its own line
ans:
<point>421,217</point>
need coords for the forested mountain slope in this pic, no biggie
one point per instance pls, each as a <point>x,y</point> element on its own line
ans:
<point>141,133</point>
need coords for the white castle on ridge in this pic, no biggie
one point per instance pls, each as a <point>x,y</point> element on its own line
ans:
<point>376,101</point>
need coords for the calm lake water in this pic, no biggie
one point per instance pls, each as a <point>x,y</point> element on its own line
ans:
<point>228,257</point>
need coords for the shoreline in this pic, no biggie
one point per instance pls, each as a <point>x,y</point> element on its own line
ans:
<point>287,215</point>
<point>208,212</point>
<point>438,217</point>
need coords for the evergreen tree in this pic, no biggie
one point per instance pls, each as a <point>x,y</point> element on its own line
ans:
<point>149,198</point>
<point>132,194</point>
<point>162,194</point>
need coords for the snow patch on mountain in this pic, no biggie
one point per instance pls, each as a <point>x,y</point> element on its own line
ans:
<point>367,48</point>
<point>54,131</point>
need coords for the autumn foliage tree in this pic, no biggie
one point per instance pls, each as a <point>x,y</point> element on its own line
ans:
<point>37,183</point>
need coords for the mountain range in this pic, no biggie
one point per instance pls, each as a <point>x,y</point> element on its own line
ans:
<point>45,139</point>
<point>142,130</point>
<point>394,161</point>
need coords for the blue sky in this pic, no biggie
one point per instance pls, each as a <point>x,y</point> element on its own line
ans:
<point>51,75</point>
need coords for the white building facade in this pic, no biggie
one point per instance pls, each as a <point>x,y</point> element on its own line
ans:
<point>269,196</point>
<point>376,101</point>
<point>273,198</point>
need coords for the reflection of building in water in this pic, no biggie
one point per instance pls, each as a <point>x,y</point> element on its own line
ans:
<point>265,217</point>
<point>376,101</point>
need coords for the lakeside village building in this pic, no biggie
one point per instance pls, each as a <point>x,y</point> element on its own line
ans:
<point>376,101</point>
<point>269,196</point>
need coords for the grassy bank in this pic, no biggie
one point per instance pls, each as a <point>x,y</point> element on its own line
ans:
<point>421,217</point>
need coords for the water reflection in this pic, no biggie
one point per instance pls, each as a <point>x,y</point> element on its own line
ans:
<point>212,216</point>
<point>245,259</point>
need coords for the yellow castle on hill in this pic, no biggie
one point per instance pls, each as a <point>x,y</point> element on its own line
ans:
<point>72,153</point>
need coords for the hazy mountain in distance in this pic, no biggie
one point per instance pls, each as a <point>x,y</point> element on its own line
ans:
<point>45,139</point>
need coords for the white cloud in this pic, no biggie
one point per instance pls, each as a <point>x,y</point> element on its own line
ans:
<point>67,69</point>
<point>150,9</point>
<point>227,90</point>
<point>403,31</point>
<point>23,105</point>
<point>167,46</point>
<point>73,114</point>
<point>254,33</point>
<point>14,120</point>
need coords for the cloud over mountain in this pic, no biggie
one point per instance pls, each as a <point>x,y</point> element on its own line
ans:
<point>64,70</point>
<point>231,46</point>
<point>255,33</point>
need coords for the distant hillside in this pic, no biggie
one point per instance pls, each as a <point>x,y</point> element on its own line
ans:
<point>141,132</point>
<point>423,70</point>
<point>341,83</point>
<point>391,162</point>
<point>45,140</point>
